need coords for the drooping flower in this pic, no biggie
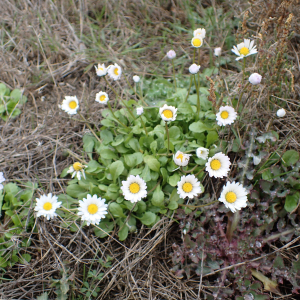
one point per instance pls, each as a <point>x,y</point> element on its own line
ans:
<point>2,179</point>
<point>101,70</point>
<point>218,51</point>
<point>244,49</point>
<point>46,206</point>
<point>226,115</point>
<point>134,188</point>
<point>136,78</point>
<point>281,112</point>
<point>92,209</point>
<point>77,169</point>
<point>194,69</point>
<point>168,113</point>
<point>188,186</point>
<point>102,97</point>
<point>139,110</point>
<point>181,159</point>
<point>218,165</point>
<point>200,32</point>
<point>255,78</point>
<point>70,105</point>
<point>234,196</point>
<point>197,42</point>
<point>202,152</point>
<point>171,54</point>
<point>114,71</point>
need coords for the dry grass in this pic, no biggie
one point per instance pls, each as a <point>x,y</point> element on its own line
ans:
<point>48,48</point>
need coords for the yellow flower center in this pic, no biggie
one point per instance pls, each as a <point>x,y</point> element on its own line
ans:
<point>215,164</point>
<point>77,166</point>
<point>244,51</point>
<point>72,104</point>
<point>180,156</point>
<point>102,98</point>
<point>92,209</point>
<point>167,113</point>
<point>116,71</point>
<point>100,69</point>
<point>134,188</point>
<point>197,42</point>
<point>230,197</point>
<point>224,114</point>
<point>187,187</point>
<point>47,206</point>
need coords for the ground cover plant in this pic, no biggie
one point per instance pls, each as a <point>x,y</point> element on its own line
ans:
<point>115,178</point>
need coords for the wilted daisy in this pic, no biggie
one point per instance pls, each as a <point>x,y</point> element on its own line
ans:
<point>202,152</point>
<point>77,169</point>
<point>194,69</point>
<point>70,105</point>
<point>168,113</point>
<point>102,97</point>
<point>181,159</point>
<point>115,72</point>
<point>139,110</point>
<point>136,78</point>
<point>46,206</point>
<point>2,179</point>
<point>226,115</point>
<point>200,32</point>
<point>218,165</point>
<point>101,70</point>
<point>92,209</point>
<point>197,42</point>
<point>281,112</point>
<point>188,186</point>
<point>134,188</point>
<point>234,196</point>
<point>244,49</point>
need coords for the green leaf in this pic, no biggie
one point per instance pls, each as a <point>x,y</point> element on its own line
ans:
<point>16,94</point>
<point>185,108</point>
<point>76,191</point>
<point>93,167</point>
<point>291,202</point>
<point>148,218</point>
<point>158,197</point>
<point>106,227</point>
<point>64,172</point>
<point>152,163</point>
<point>88,144</point>
<point>131,160</point>
<point>134,144</point>
<point>198,127</point>
<point>146,175</point>
<point>212,137</point>
<point>2,89</point>
<point>116,210</point>
<point>116,169</point>
<point>290,157</point>
<point>142,206</point>
<point>26,257</point>
<point>164,174</point>
<point>43,296</point>
<point>106,136</point>
<point>174,133</point>
<point>108,154</point>
<point>123,233</point>
<point>118,140</point>
<point>173,180</point>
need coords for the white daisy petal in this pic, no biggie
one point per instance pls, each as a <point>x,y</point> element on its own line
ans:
<point>181,159</point>
<point>218,166</point>
<point>168,113</point>
<point>102,97</point>
<point>115,72</point>
<point>226,115</point>
<point>46,206</point>
<point>92,209</point>
<point>70,105</point>
<point>188,186</point>
<point>202,152</point>
<point>134,188</point>
<point>2,179</point>
<point>234,196</point>
<point>200,32</point>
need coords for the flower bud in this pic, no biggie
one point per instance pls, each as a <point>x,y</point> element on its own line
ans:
<point>281,112</point>
<point>171,54</point>
<point>194,69</point>
<point>255,78</point>
<point>218,51</point>
<point>139,110</point>
<point>136,78</point>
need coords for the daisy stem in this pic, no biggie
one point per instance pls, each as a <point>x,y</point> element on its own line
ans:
<point>188,171</point>
<point>199,172</point>
<point>117,96</point>
<point>198,98</point>
<point>197,206</point>
<point>167,130</point>
<point>232,224</point>
<point>143,123</point>
<point>90,128</point>
<point>188,93</point>
<point>109,106</point>
<point>241,95</point>
<point>128,216</point>
<point>141,95</point>
<point>199,56</point>
<point>244,67</point>
<point>174,75</point>
<point>194,56</point>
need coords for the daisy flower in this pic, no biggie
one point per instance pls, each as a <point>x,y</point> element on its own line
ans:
<point>2,179</point>
<point>181,159</point>
<point>188,186</point>
<point>218,165</point>
<point>244,49</point>
<point>226,115</point>
<point>46,206</point>
<point>281,112</point>
<point>197,42</point>
<point>200,32</point>
<point>77,169</point>
<point>115,71</point>
<point>234,196</point>
<point>101,70</point>
<point>168,113</point>
<point>202,152</point>
<point>102,97</point>
<point>92,209</point>
<point>70,105</point>
<point>139,110</point>
<point>134,188</point>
